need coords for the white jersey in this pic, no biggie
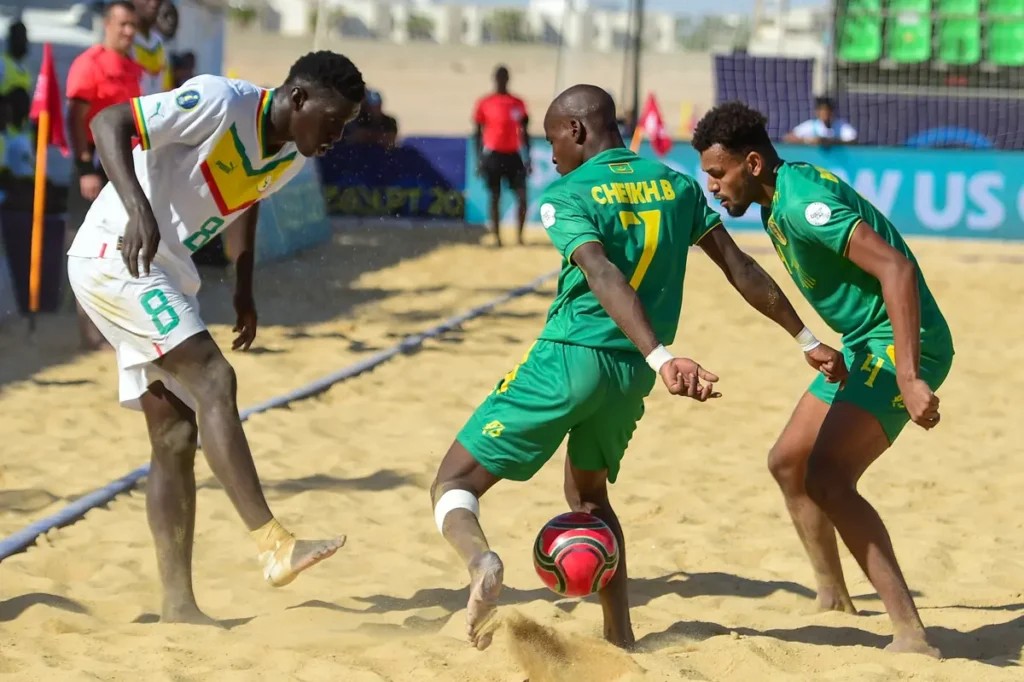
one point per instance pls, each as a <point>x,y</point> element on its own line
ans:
<point>202,159</point>
<point>151,54</point>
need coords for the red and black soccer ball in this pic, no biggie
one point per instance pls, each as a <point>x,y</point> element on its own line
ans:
<point>575,554</point>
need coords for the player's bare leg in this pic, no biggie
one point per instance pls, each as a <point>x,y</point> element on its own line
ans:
<point>201,368</point>
<point>460,476</point>
<point>494,213</point>
<point>587,491</point>
<point>849,441</point>
<point>171,501</point>
<point>521,197</point>
<point>787,462</point>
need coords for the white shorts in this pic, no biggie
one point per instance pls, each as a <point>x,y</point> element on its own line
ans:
<point>142,319</point>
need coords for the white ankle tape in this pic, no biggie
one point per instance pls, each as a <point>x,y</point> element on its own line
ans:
<point>455,499</point>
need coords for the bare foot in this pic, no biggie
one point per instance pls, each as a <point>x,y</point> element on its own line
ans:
<point>835,600</point>
<point>186,613</point>
<point>486,573</point>
<point>283,565</point>
<point>625,641</point>
<point>913,644</point>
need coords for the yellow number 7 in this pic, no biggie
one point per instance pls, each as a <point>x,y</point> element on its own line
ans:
<point>651,220</point>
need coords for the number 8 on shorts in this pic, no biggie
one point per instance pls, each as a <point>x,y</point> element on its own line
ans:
<point>159,309</point>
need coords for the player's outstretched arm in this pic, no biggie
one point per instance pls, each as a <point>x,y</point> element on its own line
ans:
<point>764,295</point>
<point>113,130</point>
<point>682,376</point>
<point>898,278</point>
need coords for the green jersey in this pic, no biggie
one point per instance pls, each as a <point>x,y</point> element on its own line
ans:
<point>646,216</point>
<point>810,222</point>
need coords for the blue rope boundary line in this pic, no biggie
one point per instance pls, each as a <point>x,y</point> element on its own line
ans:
<point>27,536</point>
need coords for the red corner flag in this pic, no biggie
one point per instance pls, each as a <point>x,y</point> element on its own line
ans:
<point>653,126</point>
<point>46,111</point>
<point>47,99</point>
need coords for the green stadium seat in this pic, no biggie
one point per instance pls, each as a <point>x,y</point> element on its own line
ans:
<point>1005,8</point>
<point>908,38</point>
<point>959,8</point>
<point>1006,42</point>
<point>922,6</point>
<point>960,41</point>
<point>860,38</point>
<point>863,6</point>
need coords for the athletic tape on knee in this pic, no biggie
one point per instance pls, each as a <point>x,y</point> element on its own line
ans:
<point>455,499</point>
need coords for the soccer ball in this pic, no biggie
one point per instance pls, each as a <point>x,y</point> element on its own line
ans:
<point>575,554</point>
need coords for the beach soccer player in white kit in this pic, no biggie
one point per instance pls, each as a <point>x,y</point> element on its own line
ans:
<point>183,165</point>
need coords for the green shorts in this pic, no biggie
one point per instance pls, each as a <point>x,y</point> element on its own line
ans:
<point>595,396</point>
<point>872,384</point>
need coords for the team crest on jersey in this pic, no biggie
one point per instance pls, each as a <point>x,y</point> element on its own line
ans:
<point>547,215</point>
<point>776,231</point>
<point>187,100</point>
<point>620,168</point>
<point>817,213</point>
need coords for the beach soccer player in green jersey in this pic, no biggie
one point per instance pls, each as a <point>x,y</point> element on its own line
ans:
<point>624,226</point>
<point>854,268</point>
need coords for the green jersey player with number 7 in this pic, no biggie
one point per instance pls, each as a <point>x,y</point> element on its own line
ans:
<point>856,271</point>
<point>183,165</point>
<point>624,226</point>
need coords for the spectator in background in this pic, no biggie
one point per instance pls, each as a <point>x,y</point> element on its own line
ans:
<point>5,174</point>
<point>20,157</point>
<point>150,51</point>
<point>17,158</point>
<point>373,126</point>
<point>501,132</point>
<point>13,74</point>
<point>167,21</point>
<point>824,128</point>
<point>100,77</point>
<point>183,67</point>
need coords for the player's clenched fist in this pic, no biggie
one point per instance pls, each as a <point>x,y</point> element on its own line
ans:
<point>829,362</point>
<point>683,376</point>
<point>921,403</point>
<point>141,238</point>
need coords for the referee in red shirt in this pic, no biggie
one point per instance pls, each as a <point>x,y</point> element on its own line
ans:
<point>502,140</point>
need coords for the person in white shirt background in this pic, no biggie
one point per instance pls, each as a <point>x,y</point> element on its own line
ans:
<point>824,129</point>
<point>149,51</point>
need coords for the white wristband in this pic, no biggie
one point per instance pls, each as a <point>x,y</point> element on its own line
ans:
<point>658,357</point>
<point>805,339</point>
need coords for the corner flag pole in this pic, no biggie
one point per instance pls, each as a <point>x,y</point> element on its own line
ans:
<point>38,209</point>
<point>46,112</point>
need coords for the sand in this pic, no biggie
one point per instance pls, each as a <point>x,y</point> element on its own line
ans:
<point>720,587</point>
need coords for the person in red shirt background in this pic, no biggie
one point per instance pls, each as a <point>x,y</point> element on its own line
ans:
<point>102,76</point>
<point>501,132</point>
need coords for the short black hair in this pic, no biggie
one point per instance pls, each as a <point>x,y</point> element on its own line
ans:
<point>123,4</point>
<point>824,101</point>
<point>735,126</point>
<point>329,70</point>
